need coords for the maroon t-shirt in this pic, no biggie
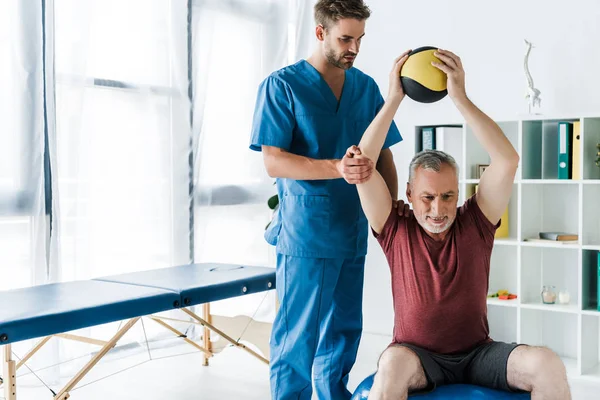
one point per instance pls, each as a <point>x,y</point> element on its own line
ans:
<point>440,288</point>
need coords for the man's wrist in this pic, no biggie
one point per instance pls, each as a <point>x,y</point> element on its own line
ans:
<point>335,167</point>
<point>461,101</point>
<point>394,100</point>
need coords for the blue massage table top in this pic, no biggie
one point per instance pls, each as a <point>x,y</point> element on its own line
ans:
<point>44,310</point>
<point>202,283</point>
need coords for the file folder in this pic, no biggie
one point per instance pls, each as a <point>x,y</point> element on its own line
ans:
<point>576,150</point>
<point>565,134</point>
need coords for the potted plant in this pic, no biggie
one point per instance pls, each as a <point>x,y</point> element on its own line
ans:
<point>273,204</point>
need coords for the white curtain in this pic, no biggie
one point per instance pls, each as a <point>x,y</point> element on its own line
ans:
<point>118,156</point>
<point>236,44</point>
<point>124,133</point>
<point>23,222</point>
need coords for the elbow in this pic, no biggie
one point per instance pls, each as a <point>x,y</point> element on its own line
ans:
<point>385,160</point>
<point>511,162</point>
<point>271,166</point>
<point>514,160</point>
<point>271,170</point>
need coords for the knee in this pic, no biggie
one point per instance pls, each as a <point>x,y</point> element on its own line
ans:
<point>544,364</point>
<point>400,361</point>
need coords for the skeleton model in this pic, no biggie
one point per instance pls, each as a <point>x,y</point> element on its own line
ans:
<point>533,94</point>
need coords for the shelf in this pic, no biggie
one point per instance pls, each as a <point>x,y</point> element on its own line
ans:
<point>555,330</point>
<point>591,138</point>
<point>504,270</point>
<point>547,266</point>
<point>556,245</point>
<point>494,301</point>
<point>503,323</point>
<point>570,365</point>
<point>590,337</point>
<point>506,242</point>
<point>589,280</point>
<point>593,313</point>
<point>542,202</point>
<point>553,208</point>
<point>565,308</point>
<point>475,154</point>
<point>591,215</point>
<point>549,182</point>
<point>539,156</point>
<point>510,217</point>
<point>591,373</point>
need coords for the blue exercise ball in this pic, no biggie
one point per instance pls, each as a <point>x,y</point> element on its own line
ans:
<point>362,391</point>
<point>447,392</point>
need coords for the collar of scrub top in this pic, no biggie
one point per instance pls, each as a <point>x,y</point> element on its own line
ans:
<point>332,104</point>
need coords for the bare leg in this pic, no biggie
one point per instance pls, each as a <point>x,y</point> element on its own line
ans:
<point>540,371</point>
<point>399,370</point>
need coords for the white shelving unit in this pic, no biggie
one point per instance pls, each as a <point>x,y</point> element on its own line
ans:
<point>542,202</point>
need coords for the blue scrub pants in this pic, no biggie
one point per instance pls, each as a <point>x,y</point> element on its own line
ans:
<point>318,326</point>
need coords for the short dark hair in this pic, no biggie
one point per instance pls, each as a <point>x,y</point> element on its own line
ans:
<point>328,12</point>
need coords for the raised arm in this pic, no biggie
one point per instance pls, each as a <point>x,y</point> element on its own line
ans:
<point>495,185</point>
<point>375,196</point>
<point>387,168</point>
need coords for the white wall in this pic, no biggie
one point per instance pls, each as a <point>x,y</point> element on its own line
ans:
<point>488,36</point>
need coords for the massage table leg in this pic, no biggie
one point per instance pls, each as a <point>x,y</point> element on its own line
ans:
<point>64,393</point>
<point>208,325</point>
<point>206,334</point>
<point>181,335</point>
<point>10,372</point>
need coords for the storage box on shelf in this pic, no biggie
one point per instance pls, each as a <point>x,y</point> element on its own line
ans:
<point>542,200</point>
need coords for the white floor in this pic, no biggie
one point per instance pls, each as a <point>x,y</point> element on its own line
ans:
<point>233,374</point>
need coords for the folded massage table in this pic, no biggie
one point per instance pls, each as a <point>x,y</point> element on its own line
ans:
<point>51,310</point>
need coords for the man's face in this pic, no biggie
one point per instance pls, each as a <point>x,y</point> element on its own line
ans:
<point>341,42</point>
<point>434,196</point>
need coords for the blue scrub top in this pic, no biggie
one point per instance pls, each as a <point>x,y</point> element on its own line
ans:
<point>297,111</point>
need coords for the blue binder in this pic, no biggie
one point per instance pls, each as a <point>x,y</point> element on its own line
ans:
<point>428,138</point>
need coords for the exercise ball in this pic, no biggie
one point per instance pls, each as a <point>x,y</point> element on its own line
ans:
<point>362,391</point>
<point>448,392</point>
<point>420,80</point>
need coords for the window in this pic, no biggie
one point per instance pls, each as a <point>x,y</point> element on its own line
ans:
<point>236,45</point>
<point>122,135</point>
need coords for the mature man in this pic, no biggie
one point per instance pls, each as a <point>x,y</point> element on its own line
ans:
<point>439,257</point>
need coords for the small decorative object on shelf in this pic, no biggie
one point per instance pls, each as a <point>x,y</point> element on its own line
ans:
<point>533,94</point>
<point>598,156</point>
<point>564,297</point>
<point>549,295</point>
<point>481,169</point>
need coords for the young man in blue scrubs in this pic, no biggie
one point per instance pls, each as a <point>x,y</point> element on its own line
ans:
<point>306,116</point>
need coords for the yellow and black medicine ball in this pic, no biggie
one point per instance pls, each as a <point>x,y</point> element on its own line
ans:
<point>422,81</point>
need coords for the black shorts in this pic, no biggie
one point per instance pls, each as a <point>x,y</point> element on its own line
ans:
<point>485,365</point>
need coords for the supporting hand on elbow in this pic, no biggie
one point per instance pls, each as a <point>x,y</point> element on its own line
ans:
<point>403,209</point>
<point>354,167</point>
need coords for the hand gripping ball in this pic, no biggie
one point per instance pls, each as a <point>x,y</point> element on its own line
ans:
<point>420,80</point>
